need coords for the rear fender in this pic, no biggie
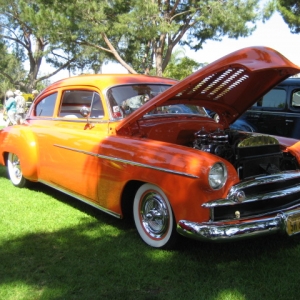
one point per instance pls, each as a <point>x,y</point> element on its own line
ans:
<point>21,141</point>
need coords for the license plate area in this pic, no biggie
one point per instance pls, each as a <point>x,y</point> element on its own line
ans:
<point>293,224</point>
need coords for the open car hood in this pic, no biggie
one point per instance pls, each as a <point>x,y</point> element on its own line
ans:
<point>228,86</point>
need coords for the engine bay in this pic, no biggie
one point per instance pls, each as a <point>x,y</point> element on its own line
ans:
<point>251,155</point>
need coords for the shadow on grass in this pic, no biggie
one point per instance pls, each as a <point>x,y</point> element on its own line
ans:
<point>79,263</point>
<point>103,258</point>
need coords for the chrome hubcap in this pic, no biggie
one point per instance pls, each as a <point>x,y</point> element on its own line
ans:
<point>16,167</point>
<point>154,214</point>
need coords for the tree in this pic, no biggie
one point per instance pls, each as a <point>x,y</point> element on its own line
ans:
<point>11,70</point>
<point>29,31</point>
<point>180,66</point>
<point>143,34</point>
<point>20,31</point>
<point>140,35</point>
<point>290,11</point>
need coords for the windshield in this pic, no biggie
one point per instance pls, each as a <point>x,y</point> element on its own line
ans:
<point>126,99</point>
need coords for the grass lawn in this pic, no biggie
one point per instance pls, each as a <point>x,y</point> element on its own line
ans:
<point>55,247</point>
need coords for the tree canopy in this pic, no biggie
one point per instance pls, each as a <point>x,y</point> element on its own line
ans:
<point>290,11</point>
<point>140,35</point>
<point>12,70</point>
<point>180,66</point>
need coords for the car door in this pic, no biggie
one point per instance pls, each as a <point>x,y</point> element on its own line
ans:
<point>293,114</point>
<point>68,142</point>
<point>268,115</point>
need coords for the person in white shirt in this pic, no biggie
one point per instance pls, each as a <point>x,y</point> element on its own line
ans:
<point>20,103</point>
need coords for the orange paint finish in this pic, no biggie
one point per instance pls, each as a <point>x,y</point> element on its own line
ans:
<point>20,140</point>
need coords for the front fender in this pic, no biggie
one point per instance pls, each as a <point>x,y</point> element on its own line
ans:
<point>20,140</point>
<point>181,172</point>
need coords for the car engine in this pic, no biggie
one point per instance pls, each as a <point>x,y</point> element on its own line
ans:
<point>250,154</point>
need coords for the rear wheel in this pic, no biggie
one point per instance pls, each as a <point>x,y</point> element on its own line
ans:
<point>14,171</point>
<point>153,217</point>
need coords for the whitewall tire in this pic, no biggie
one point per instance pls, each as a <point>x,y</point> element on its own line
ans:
<point>153,217</point>
<point>14,171</point>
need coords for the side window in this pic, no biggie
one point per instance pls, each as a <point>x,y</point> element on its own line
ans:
<point>96,107</point>
<point>296,99</point>
<point>274,99</point>
<point>45,107</point>
<point>74,100</point>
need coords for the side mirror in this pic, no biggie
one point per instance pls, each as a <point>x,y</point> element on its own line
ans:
<point>85,111</point>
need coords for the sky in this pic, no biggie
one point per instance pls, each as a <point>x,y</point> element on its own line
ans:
<point>274,33</point>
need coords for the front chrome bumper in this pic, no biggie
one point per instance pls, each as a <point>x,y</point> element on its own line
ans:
<point>226,231</point>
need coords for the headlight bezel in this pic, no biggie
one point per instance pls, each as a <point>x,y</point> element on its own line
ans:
<point>217,175</point>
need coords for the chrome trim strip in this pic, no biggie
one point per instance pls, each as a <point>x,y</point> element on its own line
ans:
<point>262,215</point>
<point>258,197</point>
<point>283,176</point>
<point>221,231</point>
<point>78,120</point>
<point>230,200</point>
<point>128,162</point>
<point>81,198</point>
<point>91,120</point>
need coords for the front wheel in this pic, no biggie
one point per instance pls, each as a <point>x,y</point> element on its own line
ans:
<point>153,217</point>
<point>14,171</point>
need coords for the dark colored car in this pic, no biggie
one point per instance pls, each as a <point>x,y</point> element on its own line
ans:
<point>240,124</point>
<point>243,125</point>
<point>278,111</point>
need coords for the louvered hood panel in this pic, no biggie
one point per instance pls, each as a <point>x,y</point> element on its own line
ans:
<point>228,86</point>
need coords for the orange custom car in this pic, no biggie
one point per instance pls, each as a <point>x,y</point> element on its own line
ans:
<point>144,147</point>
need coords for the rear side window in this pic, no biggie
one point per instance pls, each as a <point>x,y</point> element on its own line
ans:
<point>275,99</point>
<point>296,99</point>
<point>45,107</point>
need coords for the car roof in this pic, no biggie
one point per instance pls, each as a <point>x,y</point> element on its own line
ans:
<point>295,81</point>
<point>104,81</point>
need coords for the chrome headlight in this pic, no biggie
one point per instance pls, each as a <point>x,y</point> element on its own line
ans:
<point>217,176</point>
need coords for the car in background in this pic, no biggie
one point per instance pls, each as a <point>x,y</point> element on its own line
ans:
<point>278,111</point>
<point>240,124</point>
<point>144,148</point>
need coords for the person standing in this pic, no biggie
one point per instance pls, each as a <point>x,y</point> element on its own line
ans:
<point>20,103</point>
<point>34,94</point>
<point>11,108</point>
<point>31,99</point>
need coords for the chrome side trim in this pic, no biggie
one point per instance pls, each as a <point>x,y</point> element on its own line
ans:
<point>231,199</point>
<point>129,162</point>
<point>222,231</point>
<point>81,198</point>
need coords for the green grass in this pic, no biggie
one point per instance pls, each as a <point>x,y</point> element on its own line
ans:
<point>55,247</point>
